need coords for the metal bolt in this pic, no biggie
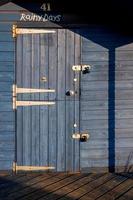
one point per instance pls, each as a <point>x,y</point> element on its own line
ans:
<point>75,125</point>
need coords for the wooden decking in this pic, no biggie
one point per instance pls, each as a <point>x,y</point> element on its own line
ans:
<point>66,186</point>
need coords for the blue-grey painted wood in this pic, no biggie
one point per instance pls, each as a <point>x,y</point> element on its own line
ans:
<point>7,126</point>
<point>6,156</point>
<point>7,56</point>
<point>6,77</point>
<point>10,16</point>
<point>6,97</point>
<point>6,136</point>
<point>44,65</point>
<point>19,119</point>
<point>6,66</point>
<point>93,100</point>
<point>96,43</point>
<point>7,117</point>
<point>7,47</point>
<point>5,87</point>
<point>77,60</point>
<point>96,103</point>
<point>61,132</point>
<point>35,79</point>
<point>125,84</point>
<point>6,165</point>
<point>53,65</point>
<point>26,83</point>
<point>6,37</point>
<point>95,56</point>
<point>45,133</point>
<point>4,27</point>
<point>5,107</point>
<point>69,104</point>
<point>10,147</point>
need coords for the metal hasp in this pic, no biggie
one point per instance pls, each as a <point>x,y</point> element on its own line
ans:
<point>82,137</point>
<point>20,31</point>
<point>71,93</point>
<point>84,68</point>
<point>16,168</point>
<point>17,90</point>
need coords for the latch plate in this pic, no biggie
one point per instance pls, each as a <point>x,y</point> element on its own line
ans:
<point>81,67</point>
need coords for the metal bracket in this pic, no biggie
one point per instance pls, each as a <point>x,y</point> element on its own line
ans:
<point>17,168</point>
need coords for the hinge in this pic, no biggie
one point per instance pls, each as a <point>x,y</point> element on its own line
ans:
<point>20,31</point>
<point>17,168</point>
<point>17,90</point>
<point>14,31</point>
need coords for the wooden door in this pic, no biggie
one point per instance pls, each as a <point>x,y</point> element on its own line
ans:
<point>44,132</point>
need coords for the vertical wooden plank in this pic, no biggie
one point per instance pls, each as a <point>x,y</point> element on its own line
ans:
<point>61,104</point>
<point>77,100</point>
<point>52,96</point>
<point>26,110</point>
<point>69,100</point>
<point>19,110</point>
<point>44,48</point>
<point>35,76</point>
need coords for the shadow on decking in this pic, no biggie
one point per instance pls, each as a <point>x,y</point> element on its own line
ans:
<point>66,187</point>
<point>17,187</point>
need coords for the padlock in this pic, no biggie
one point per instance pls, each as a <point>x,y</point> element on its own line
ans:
<point>84,137</point>
<point>86,69</point>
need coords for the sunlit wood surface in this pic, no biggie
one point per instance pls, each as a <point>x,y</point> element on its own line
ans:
<point>64,186</point>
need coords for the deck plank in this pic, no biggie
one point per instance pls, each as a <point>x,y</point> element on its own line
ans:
<point>28,191</point>
<point>64,186</point>
<point>127,196</point>
<point>71,187</point>
<point>118,191</point>
<point>29,183</point>
<point>76,194</point>
<point>104,188</point>
<point>52,187</point>
<point>15,179</point>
